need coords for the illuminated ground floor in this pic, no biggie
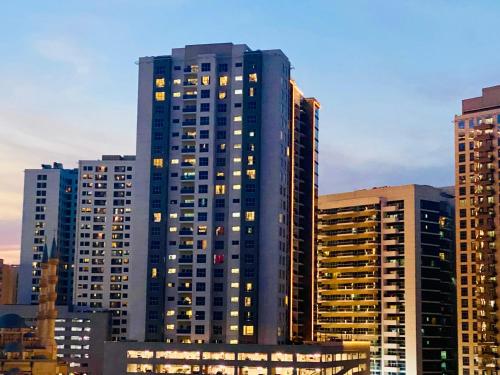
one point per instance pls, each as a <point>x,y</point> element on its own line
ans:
<point>334,358</point>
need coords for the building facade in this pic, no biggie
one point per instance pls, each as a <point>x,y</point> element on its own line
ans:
<point>79,336</point>
<point>385,274</point>
<point>476,173</point>
<point>8,283</point>
<point>103,247</point>
<point>337,358</point>
<point>213,216</point>
<point>49,209</point>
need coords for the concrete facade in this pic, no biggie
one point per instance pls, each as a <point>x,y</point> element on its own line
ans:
<point>8,283</point>
<point>212,215</point>
<point>385,273</point>
<point>49,206</point>
<point>103,248</point>
<point>477,151</point>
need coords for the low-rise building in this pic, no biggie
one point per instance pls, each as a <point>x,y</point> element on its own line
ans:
<point>79,336</point>
<point>334,358</point>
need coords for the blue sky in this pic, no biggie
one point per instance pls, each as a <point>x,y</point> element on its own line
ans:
<point>389,74</point>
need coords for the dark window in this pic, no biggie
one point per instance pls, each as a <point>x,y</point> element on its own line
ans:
<point>203,189</point>
<point>204,121</point>
<point>205,67</point>
<point>205,94</point>
<point>204,134</point>
<point>203,162</point>
<point>222,68</point>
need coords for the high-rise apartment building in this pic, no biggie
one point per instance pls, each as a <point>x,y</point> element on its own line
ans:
<point>8,283</point>
<point>477,156</point>
<point>103,242</point>
<point>49,208</point>
<point>226,183</point>
<point>385,273</point>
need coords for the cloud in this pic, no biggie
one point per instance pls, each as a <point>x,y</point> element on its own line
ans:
<point>64,51</point>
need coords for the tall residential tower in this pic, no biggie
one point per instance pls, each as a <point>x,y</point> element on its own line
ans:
<point>477,183</point>
<point>49,209</point>
<point>385,273</point>
<point>103,247</point>
<point>225,190</point>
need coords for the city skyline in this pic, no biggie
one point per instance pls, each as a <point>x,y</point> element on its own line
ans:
<point>83,80</point>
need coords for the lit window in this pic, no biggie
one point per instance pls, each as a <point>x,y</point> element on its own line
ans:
<point>205,80</point>
<point>236,173</point>
<point>235,270</point>
<point>172,256</point>
<point>233,313</point>
<point>222,95</point>
<point>237,187</point>
<point>250,216</point>
<point>233,328</point>
<point>249,287</point>
<point>251,134</point>
<point>237,119</point>
<point>247,330</point>
<point>248,301</point>
<point>158,163</point>
<point>174,161</point>
<point>237,132</point>
<point>238,92</point>
<point>220,189</point>
<point>250,159</point>
<point>237,146</point>
<point>173,215</point>
<point>252,77</point>
<point>154,273</point>
<point>160,96</point>
<point>170,312</point>
<point>171,270</point>
<point>157,217</point>
<point>160,82</point>
<point>172,229</point>
<point>237,160</point>
<point>251,174</point>
<point>238,78</point>
<point>235,285</point>
<point>170,326</point>
<point>251,91</point>
<point>176,94</point>
<point>176,81</point>
<point>236,214</point>
<point>234,299</point>
<point>223,80</point>
<point>235,229</point>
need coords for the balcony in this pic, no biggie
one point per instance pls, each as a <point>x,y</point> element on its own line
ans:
<point>186,136</point>
<point>184,205</point>
<point>186,232</point>
<point>186,218</point>
<point>186,259</point>
<point>188,177</point>
<point>189,121</point>
<point>184,330</point>
<point>185,247</point>
<point>185,273</point>
<point>183,317</point>
<point>189,109</point>
<point>188,150</point>
<point>184,302</point>
<point>192,69</point>
<point>189,96</point>
<point>187,190</point>
<point>182,288</point>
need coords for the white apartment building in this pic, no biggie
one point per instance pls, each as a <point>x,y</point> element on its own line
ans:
<point>103,245</point>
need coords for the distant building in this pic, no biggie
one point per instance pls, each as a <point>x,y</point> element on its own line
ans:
<point>477,158</point>
<point>27,351</point>
<point>225,195</point>
<point>49,207</point>
<point>79,336</point>
<point>103,244</point>
<point>386,274</point>
<point>8,283</point>
<point>336,358</point>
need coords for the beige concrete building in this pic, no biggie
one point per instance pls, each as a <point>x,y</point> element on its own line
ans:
<point>8,283</point>
<point>385,272</point>
<point>477,212</point>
